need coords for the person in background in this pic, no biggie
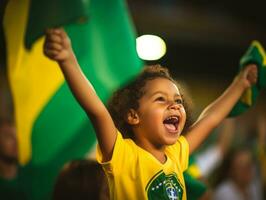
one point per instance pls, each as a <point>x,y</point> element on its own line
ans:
<point>237,177</point>
<point>10,186</point>
<point>82,180</point>
<point>262,149</point>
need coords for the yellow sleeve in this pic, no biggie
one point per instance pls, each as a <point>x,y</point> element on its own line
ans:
<point>122,156</point>
<point>180,152</point>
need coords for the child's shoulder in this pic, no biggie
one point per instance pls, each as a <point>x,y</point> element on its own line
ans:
<point>180,147</point>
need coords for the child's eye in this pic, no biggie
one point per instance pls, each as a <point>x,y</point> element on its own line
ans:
<point>179,101</point>
<point>160,99</point>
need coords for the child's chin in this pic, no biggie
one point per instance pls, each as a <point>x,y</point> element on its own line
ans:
<point>172,141</point>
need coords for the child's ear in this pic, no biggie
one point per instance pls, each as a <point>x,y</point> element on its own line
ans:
<point>132,117</point>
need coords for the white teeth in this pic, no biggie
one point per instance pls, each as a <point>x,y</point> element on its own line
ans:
<point>172,117</point>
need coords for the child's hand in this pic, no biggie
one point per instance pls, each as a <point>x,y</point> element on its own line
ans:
<point>57,45</point>
<point>248,76</point>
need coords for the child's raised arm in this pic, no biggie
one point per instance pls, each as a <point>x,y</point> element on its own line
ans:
<point>220,108</point>
<point>57,47</point>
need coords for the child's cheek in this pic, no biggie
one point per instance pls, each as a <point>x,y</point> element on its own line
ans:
<point>183,113</point>
<point>156,116</point>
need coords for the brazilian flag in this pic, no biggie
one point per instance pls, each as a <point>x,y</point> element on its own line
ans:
<point>254,55</point>
<point>51,126</point>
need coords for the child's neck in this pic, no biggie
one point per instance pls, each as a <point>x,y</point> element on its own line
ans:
<point>159,155</point>
<point>157,152</point>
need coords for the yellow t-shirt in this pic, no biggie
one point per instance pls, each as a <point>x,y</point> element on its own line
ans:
<point>135,174</point>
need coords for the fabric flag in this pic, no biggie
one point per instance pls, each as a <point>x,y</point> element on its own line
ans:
<point>43,15</point>
<point>255,54</point>
<point>51,126</point>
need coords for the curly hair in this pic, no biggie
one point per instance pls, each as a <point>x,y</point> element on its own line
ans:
<point>128,97</point>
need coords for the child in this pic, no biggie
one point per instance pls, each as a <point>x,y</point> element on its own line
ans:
<point>149,164</point>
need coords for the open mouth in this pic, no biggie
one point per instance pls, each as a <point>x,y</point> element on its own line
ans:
<point>171,123</point>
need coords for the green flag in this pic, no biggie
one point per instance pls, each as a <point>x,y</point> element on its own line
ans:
<point>52,128</point>
<point>46,14</point>
<point>255,55</point>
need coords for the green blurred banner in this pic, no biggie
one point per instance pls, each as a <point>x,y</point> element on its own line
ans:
<point>46,14</point>
<point>255,55</point>
<point>51,126</point>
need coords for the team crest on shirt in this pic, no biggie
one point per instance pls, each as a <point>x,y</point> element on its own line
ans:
<point>164,187</point>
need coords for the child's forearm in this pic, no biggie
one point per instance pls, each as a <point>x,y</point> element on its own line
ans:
<point>80,86</point>
<point>91,103</point>
<point>221,107</point>
<point>57,46</point>
<point>213,114</point>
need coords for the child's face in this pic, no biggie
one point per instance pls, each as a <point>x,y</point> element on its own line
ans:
<point>161,113</point>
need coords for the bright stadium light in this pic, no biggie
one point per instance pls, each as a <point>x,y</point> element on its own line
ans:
<point>150,47</point>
